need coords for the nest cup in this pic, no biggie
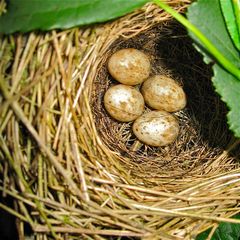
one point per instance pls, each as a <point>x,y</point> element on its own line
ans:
<point>73,171</point>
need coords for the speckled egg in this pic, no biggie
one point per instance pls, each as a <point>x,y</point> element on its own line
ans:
<point>129,66</point>
<point>163,93</point>
<point>156,128</point>
<point>124,103</point>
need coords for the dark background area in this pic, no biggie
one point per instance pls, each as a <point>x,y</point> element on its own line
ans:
<point>8,230</point>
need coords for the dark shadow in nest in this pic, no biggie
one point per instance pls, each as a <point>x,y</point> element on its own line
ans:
<point>203,129</point>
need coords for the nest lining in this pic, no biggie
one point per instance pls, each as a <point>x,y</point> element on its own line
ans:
<point>57,159</point>
<point>203,130</point>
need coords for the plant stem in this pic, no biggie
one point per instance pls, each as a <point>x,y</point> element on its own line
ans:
<point>224,62</point>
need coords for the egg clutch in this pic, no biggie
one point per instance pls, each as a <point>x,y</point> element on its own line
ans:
<point>125,103</point>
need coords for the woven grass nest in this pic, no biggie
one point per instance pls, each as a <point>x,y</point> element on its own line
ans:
<point>75,173</point>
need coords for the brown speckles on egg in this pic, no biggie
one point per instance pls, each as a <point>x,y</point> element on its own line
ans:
<point>163,93</point>
<point>129,66</point>
<point>156,128</point>
<point>123,103</point>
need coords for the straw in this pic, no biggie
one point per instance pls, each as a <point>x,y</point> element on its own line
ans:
<point>73,171</point>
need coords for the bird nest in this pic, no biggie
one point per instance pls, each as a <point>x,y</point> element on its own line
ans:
<point>73,171</point>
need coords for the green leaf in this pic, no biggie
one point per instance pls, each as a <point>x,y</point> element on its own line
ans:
<point>229,231</point>
<point>203,235</point>
<point>27,15</point>
<point>236,7</point>
<point>231,20</point>
<point>229,89</point>
<point>207,16</point>
<point>225,231</point>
